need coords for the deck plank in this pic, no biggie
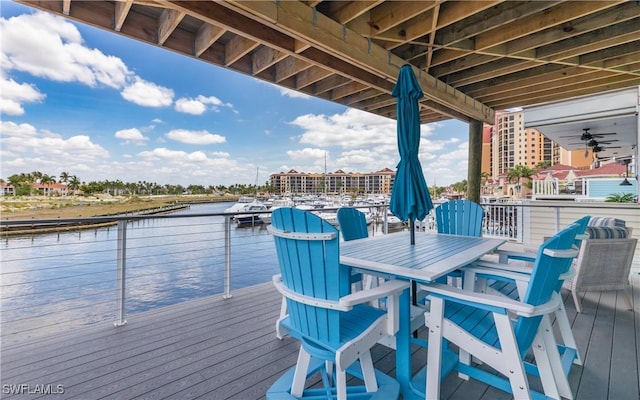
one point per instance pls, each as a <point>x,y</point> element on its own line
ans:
<point>227,349</point>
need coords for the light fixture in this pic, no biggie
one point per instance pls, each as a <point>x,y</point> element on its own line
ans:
<point>626,182</point>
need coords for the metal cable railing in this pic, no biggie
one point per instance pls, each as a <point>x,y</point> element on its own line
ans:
<point>58,281</point>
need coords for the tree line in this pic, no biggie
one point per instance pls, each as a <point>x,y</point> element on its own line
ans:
<point>24,185</point>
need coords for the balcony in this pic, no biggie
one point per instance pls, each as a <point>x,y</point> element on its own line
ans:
<point>223,345</point>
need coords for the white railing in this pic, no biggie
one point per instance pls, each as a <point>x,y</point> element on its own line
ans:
<point>500,220</point>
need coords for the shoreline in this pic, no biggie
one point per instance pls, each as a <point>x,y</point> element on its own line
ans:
<point>57,208</point>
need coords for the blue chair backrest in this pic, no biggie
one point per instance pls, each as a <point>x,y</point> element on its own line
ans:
<point>353,223</point>
<point>311,267</point>
<point>459,217</point>
<point>544,281</point>
<point>582,227</point>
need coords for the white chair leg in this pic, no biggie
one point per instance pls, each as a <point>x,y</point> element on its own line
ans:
<point>300,375</point>
<point>576,300</point>
<point>511,358</point>
<point>328,366</point>
<point>565,331</point>
<point>368,372</point>
<point>545,350</point>
<point>281,331</point>
<point>434,320</point>
<point>341,383</point>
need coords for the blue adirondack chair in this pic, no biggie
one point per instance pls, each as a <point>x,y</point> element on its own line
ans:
<point>479,324</point>
<point>459,217</point>
<point>336,328</point>
<point>353,224</point>
<point>509,274</point>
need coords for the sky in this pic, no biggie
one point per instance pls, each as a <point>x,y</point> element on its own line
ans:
<point>100,106</point>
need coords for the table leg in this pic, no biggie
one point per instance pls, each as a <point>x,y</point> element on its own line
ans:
<point>403,346</point>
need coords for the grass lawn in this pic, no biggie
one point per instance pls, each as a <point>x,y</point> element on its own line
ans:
<point>45,207</point>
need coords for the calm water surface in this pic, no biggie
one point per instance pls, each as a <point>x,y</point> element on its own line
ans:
<point>70,278</point>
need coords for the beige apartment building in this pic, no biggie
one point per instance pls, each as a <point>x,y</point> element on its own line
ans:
<point>333,183</point>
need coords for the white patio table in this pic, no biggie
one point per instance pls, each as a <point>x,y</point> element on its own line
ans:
<point>393,256</point>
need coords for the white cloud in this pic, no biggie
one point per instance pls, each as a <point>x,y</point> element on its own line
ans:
<point>147,94</point>
<point>199,105</point>
<point>306,154</point>
<point>363,142</point>
<point>292,93</point>
<point>195,137</point>
<point>15,94</point>
<point>351,129</point>
<point>48,152</point>
<point>190,106</point>
<point>50,47</point>
<point>132,135</point>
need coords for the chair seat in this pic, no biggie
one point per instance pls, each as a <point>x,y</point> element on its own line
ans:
<point>352,324</point>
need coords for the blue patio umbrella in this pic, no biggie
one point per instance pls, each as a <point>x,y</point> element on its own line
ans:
<point>410,199</point>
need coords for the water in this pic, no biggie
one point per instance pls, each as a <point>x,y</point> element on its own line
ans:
<point>69,279</point>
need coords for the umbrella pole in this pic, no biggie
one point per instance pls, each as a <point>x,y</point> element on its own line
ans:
<point>413,231</point>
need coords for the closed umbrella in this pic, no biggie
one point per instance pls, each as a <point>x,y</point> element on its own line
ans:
<point>410,199</point>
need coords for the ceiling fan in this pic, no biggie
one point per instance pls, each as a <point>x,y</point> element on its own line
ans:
<point>586,135</point>
<point>590,141</point>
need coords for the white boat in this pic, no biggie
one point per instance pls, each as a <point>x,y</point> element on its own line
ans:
<point>329,216</point>
<point>240,205</point>
<point>282,202</point>
<point>248,216</point>
<point>393,222</point>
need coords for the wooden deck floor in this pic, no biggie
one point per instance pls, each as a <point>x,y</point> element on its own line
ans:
<point>213,348</point>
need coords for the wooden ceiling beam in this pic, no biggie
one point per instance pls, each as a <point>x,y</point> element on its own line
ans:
<point>569,81</point>
<point>347,90</point>
<point>206,36</point>
<point>493,18</point>
<point>167,23</point>
<point>289,67</point>
<point>238,47</point>
<point>525,98</point>
<point>264,58</point>
<point>361,57</point>
<point>330,83</point>
<point>120,15</point>
<point>556,15</point>
<point>310,76</point>
<point>524,79</point>
<point>388,15</point>
<point>345,13</point>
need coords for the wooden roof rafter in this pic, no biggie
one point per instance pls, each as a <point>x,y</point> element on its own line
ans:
<point>470,57</point>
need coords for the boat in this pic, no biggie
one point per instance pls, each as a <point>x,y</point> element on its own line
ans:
<point>240,205</point>
<point>250,218</point>
<point>329,216</point>
<point>393,223</point>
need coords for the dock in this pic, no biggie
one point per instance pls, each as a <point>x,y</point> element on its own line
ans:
<point>216,348</point>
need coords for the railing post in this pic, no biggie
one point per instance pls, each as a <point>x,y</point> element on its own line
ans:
<point>520,224</point>
<point>121,271</point>
<point>227,257</point>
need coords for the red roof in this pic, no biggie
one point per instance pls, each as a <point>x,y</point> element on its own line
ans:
<point>611,169</point>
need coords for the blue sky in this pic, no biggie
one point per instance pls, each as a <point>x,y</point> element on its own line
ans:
<point>101,106</point>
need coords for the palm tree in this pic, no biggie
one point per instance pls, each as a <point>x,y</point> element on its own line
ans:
<point>517,173</point>
<point>74,183</point>
<point>64,177</point>
<point>47,179</point>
